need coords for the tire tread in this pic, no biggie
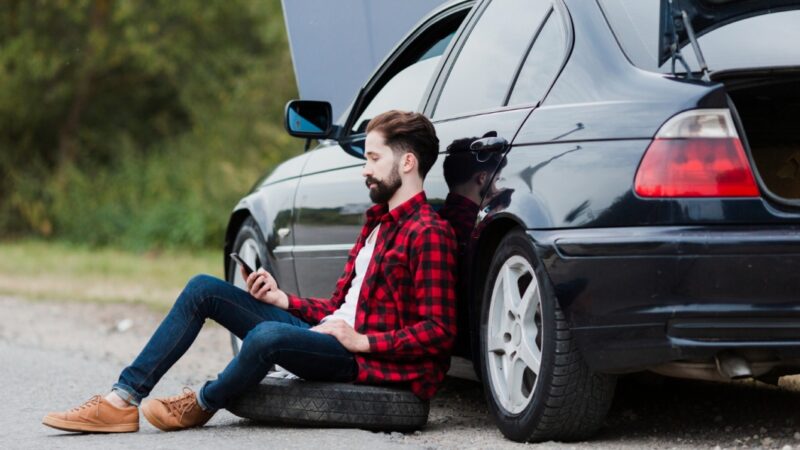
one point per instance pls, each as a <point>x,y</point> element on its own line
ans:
<point>326,404</point>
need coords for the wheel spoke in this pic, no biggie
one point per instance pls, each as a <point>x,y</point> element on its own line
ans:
<point>532,357</point>
<point>515,385</point>
<point>510,290</point>
<point>529,298</point>
<point>509,374</point>
<point>496,343</point>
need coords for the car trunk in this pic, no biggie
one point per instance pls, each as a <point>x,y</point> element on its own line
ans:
<point>768,105</point>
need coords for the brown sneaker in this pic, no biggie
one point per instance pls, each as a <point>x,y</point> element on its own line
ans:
<point>95,416</point>
<point>176,413</point>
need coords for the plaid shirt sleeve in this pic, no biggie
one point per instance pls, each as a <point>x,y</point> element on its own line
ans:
<point>432,263</point>
<point>313,309</point>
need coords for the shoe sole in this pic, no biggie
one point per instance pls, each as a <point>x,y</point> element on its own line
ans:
<point>154,421</point>
<point>67,425</point>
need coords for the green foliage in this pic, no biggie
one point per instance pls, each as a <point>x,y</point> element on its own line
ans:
<point>138,123</point>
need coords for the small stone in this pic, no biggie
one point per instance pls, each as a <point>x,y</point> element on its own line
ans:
<point>755,437</point>
<point>797,436</point>
<point>717,447</point>
<point>786,447</point>
<point>762,430</point>
<point>767,441</point>
<point>396,435</point>
<point>123,325</point>
<point>728,429</point>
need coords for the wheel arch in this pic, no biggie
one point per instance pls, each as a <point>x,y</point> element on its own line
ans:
<point>246,208</point>
<point>489,234</point>
<point>234,223</point>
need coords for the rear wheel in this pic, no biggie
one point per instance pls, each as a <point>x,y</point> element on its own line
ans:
<point>251,246</point>
<point>537,385</point>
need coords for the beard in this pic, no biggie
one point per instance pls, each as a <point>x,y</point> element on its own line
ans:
<point>385,189</point>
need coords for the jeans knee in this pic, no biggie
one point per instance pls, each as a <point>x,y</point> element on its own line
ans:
<point>198,288</point>
<point>266,336</point>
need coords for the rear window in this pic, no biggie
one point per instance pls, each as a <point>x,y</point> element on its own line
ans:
<point>768,40</point>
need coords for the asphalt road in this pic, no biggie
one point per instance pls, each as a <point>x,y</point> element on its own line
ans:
<point>55,355</point>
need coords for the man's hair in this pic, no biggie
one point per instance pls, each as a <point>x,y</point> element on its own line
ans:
<point>408,132</point>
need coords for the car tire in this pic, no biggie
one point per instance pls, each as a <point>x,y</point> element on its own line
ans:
<point>559,398</point>
<point>327,404</point>
<point>251,246</point>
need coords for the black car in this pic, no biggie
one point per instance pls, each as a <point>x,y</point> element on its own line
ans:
<point>642,208</point>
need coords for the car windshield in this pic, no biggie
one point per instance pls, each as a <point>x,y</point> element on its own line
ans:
<point>768,40</point>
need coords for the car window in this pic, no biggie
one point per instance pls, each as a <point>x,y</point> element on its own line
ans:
<point>486,65</point>
<point>542,63</point>
<point>405,89</point>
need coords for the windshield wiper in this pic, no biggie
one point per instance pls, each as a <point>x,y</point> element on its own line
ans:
<point>677,55</point>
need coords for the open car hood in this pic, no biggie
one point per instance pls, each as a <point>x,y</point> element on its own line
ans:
<point>707,15</point>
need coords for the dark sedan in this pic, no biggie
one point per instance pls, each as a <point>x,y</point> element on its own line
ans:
<point>625,176</point>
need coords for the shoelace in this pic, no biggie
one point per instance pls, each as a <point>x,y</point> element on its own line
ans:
<point>180,404</point>
<point>91,402</point>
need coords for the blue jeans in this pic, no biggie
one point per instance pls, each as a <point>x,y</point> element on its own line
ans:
<point>269,336</point>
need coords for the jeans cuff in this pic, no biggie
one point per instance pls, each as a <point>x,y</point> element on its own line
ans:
<point>127,394</point>
<point>202,401</point>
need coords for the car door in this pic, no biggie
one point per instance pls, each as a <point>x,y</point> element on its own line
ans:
<point>481,87</point>
<point>331,197</point>
<point>494,79</point>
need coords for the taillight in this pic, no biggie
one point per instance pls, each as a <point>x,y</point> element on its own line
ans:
<point>696,154</point>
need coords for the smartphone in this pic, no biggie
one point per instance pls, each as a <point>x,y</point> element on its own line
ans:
<point>248,270</point>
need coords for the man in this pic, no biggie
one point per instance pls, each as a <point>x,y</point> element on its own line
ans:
<point>391,318</point>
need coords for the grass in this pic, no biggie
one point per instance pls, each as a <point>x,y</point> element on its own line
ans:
<point>38,270</point>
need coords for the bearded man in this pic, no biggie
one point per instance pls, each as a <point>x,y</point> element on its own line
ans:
<point>391,318</point>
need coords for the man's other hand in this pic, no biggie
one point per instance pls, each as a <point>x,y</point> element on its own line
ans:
<point>350,339</point>
<point>262,286</point>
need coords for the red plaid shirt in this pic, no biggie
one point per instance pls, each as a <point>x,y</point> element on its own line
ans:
<point>407,304</point>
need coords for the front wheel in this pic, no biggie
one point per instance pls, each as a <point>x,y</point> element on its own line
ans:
<point>251,246</point>
<point>537,385</point>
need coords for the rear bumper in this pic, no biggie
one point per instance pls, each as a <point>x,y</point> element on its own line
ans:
<point>645,296</point>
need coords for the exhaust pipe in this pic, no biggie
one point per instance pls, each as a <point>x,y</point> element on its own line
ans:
<point>733,366</point>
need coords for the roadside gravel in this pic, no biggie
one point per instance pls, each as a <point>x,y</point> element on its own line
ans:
<point>56,354</point>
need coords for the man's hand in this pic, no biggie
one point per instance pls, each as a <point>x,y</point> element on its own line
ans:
<point>350,339</point>
<point>262,286</point>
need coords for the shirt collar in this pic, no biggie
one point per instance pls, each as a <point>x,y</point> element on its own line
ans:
<point>381,211</point>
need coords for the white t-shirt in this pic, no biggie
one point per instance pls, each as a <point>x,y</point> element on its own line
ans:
<point>347,311</point>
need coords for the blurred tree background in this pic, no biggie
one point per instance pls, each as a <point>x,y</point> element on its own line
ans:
<point>138,124</point>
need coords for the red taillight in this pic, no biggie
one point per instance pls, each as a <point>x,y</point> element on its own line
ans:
<point>696,154</point>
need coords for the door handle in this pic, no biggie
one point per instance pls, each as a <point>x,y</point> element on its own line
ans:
<point>489,144</point>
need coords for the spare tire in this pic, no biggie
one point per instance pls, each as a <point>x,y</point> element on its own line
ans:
<point>328,404</point>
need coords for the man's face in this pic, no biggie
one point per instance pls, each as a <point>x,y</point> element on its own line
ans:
<point>382,170</point>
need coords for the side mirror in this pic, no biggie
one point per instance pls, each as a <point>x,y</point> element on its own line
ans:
<point>309,119</point>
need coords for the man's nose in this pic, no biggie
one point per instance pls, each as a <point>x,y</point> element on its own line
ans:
<point>366,171</point>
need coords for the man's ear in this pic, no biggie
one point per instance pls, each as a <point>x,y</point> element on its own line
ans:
<point>409,162</point>
<point>481,178</point>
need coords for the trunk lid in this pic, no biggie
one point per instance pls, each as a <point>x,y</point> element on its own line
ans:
<point>707,15</point>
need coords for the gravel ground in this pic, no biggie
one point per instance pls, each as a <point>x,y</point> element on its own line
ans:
<point>55,354</point>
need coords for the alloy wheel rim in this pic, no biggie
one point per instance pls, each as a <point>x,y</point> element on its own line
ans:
<point>514,335</point>
<point>248,251</point>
